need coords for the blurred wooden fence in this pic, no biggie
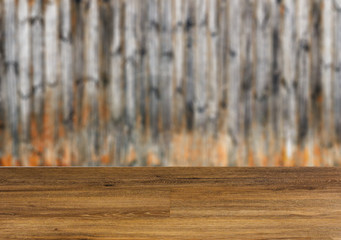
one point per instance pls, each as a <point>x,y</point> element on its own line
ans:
<point>161,82</point>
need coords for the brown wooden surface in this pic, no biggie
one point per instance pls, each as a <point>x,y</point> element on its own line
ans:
<point>170,203</point>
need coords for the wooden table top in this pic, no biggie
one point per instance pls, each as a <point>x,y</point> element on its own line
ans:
<point>170,203</point>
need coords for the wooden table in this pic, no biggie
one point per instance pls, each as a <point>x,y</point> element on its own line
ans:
<point>170,203</point>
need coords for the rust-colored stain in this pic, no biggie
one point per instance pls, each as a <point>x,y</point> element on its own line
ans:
<point>222,153</point>
<point>152,159</point>
<point>250,159</point>
<point>6,160</point>
<point>131,156</point>
<point>105,159</point>
<point>34,159</point>
<point>317,155</point>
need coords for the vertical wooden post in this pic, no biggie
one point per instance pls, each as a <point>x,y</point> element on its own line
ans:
<point>37,59</point>
<point>78,59</point>
<point>24,68</point>
<point>234,79</point>
<point>303,88</point>
<point>25,90</point>
<point>130,73</point>
<point>51,80</point>
<point>66,77</point>
<point>116,95</point>
<point>166,65</point>
<point>316,70</point>
<point>130,51</point>
<point>142,79</point>
<point>11,68</point>
<point>200,104</point>
<point>179,59</point>
<point>223,65</point>
<point>247,54</point>
<point>212,79</point>
<point>337,73</point>
<point>2,83</point>
<point>275,105</point>
<point>116,103</point>
<point>166,83</point>
<point>289,78</point>
<point>66,63</point>
<point>190,94</point>
<point>78,73</point>
<point>92,80</point>
<point>153,46</point>
<point>327,73</point>
<point>263,78</point>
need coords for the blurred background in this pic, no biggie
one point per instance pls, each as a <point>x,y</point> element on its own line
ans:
<point>170,82</point>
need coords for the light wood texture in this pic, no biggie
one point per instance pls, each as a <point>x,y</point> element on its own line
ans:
<point>170,203</point>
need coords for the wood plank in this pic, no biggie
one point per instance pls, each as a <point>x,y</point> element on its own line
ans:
<point>37,62</point>
<point>52,83</point>
<point>11,69</point>
<point>263,79</point>
<point>170,83</point>
<point>234,78</point>
<point>337,70</point>
<point>170,203</point>
<point>153,46</point>
<point>289,74</point>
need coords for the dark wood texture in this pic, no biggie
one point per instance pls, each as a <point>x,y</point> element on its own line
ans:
<point>170,203</point>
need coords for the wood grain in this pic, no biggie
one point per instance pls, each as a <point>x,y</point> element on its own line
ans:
<point>170,203</point>
<point>170,83</point>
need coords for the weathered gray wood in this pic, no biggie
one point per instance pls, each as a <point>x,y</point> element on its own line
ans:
<point>213,61</point>
<point>51,64</point>
<point>92,80</point>
<point>179,60</point>
<point>327,71</point>
<point>201,70</point>
<point>223,64</point>
<point>337,70</point>
<point>24,67</point>
<point>303,37</point>
<point>11,68</point>
<point>234,78</point>
<point>51,48</point>
<point>326,67</point>
<point>316,61</point>
<point>289,78</point>
<point>263,77</point>
<point>2,80</point>
<point>153,46</point>
<point>116,103</point>
<point>166,74</point>
<point>113,82</point>
<point>79,59</point>
<point>105,26</point>
<point>24,89</point>
<point>142,65</point>
<point>131,59</point>
<point>37,59</point>
<point>247,54</point>
<point>66,62</point>
<point>166,77</point>
<point>190,91</point>
<point>275,105</point>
